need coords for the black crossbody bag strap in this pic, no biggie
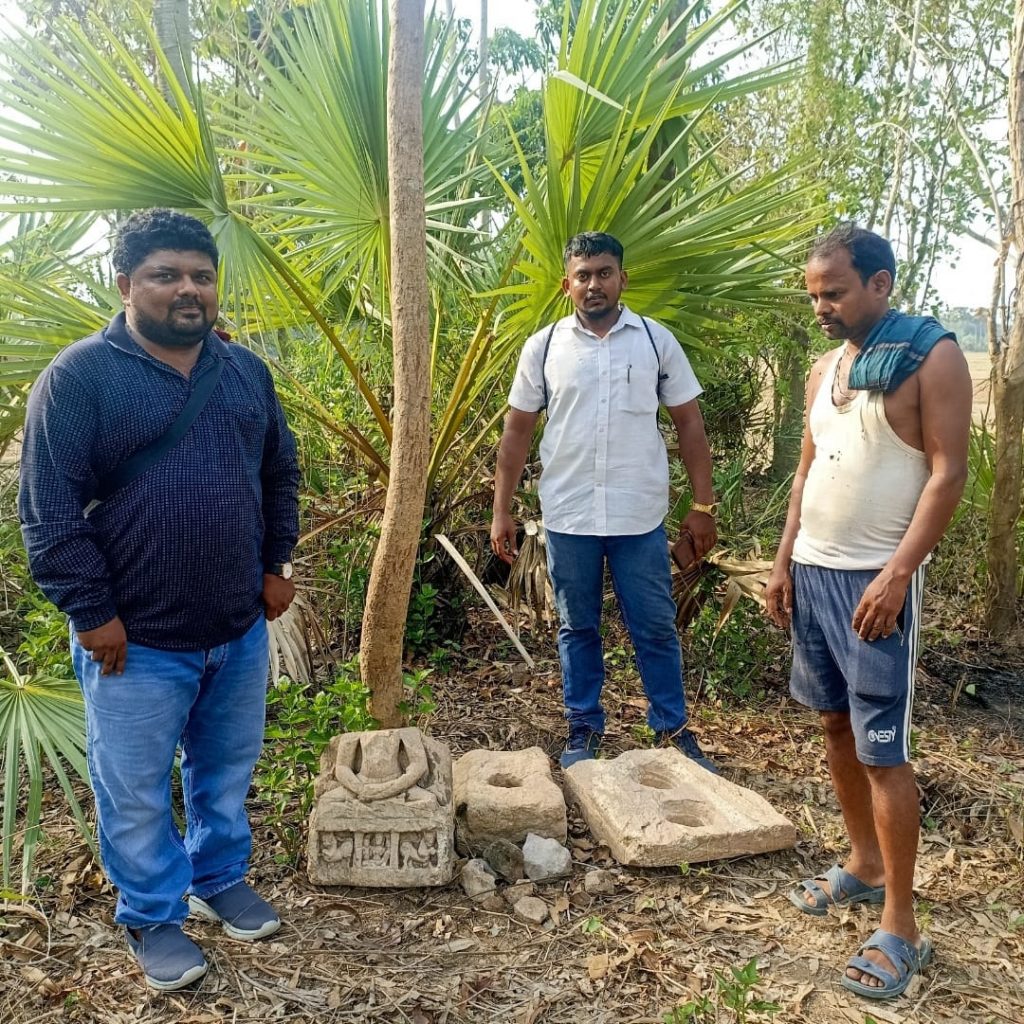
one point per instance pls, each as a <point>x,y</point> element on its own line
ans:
<point>149,455</point>
<point>543,365</point>
<point>657,354</point>
<point>547,345</point>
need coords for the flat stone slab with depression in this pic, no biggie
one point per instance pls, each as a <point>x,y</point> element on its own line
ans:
<point>656,808</point>
<point>506,794</point>
<point>383,814</point>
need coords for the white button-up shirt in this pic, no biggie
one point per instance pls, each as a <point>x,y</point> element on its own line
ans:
<point>605,464</point>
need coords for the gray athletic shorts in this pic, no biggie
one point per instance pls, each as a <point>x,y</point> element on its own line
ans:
<point>834,670</point>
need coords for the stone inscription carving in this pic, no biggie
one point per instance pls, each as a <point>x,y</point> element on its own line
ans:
<point>384,813</point>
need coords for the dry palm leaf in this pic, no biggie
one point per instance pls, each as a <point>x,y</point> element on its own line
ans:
<point>687,595</point>
<point>746,576</point>
<point>292,637</point>
<point>482,591</point>
<point>528,582</point>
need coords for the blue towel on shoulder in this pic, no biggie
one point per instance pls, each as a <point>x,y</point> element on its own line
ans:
<point>895,348</point>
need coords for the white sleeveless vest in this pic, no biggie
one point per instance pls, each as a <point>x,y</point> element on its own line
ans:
<point>863,485</point>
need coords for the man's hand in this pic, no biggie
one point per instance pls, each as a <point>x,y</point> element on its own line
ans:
<point>503,537</point>
<point>107,643</point>
<point>880,607</point>
<point>778,596</point>
<point>705,535</point>
<point>278,594</point>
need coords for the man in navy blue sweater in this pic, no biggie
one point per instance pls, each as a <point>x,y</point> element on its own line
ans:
<point>168,583</point>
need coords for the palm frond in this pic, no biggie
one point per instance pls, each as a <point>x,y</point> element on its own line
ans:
<point>42,721</point>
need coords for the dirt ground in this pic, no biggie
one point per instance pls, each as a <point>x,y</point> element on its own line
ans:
<point>434,957</point>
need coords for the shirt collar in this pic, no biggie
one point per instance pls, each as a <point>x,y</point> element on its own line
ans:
<point>627,318</point>
<point>116,334</point>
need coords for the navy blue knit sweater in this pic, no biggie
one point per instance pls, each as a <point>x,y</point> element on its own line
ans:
<point>179,553</point>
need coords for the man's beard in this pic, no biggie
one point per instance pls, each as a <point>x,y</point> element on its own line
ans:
<point>600,312</point>
<point>167,334</point>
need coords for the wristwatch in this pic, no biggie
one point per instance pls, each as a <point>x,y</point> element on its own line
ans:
<point>282,569</point>
<point>708,510</point>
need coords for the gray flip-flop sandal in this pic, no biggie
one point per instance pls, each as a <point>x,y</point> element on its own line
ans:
<point>906,958</point>
<point>844,889</point>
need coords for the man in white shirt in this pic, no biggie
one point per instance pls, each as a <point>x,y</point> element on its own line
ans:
<point>600,375</point>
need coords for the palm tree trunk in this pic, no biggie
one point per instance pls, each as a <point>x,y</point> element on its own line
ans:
<point>789,413</point>
<point>387,600</point>
<point>484,76</point>
<point>173,32</point>
<point>1008,380</point>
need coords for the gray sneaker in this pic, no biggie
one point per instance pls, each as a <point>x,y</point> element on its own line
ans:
<point>583,745</point>
<point>686,743</point>
<point>243,914</point>
<point>168,957</point>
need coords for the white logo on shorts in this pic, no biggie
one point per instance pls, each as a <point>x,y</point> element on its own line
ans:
<point>882,735</point>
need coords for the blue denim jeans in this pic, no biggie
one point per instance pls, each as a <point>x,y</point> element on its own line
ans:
<point>642,579</point>
<point>212,703</point>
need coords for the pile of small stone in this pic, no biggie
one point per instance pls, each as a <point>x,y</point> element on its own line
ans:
<point>505,875</point>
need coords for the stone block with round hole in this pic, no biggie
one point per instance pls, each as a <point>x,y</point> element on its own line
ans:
<point>505,794</point>
<point>656,808</point>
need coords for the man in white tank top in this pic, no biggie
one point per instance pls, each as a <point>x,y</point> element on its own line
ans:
<point>882,468</point>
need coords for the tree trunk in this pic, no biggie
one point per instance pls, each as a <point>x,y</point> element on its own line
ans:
<point>789,419</point>
<point>387,601</point>
<point>483,75</point>
<point>1008,383</point>
<point>173,32</point>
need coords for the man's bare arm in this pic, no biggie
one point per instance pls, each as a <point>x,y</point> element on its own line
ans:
<point>696,457</point>
<point>946,395</point>
<point>512,452</point>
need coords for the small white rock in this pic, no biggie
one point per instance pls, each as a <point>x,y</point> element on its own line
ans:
<point>531,909</point>
<point>545,858</point>
<point>477,878</point>
<point>599,882</point>
<point>514,893</point>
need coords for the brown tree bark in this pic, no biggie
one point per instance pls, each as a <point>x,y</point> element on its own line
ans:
<point>1008,382</point>
<point>387,601</point>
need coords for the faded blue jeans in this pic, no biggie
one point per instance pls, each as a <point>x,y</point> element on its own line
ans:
<point>642,580</point>
<point>211,703</point>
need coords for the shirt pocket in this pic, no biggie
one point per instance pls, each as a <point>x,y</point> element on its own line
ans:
<point>640,389</point>
<point>241,422</point>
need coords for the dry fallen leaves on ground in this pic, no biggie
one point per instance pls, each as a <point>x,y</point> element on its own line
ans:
<point>433,957</point>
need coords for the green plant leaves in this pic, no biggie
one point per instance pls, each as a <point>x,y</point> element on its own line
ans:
<point>42,725</point>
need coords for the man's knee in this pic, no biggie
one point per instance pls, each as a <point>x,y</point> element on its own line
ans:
<point>889,776</point>
<point>836,724</point>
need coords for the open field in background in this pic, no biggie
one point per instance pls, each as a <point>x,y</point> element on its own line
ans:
<point>980,365</point>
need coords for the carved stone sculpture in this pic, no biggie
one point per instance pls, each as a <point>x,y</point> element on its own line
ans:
<point>383,814</point>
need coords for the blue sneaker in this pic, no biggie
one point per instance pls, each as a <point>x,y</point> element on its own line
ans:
<point>242,913</point>
<point>168,957</point>
<point>686,743</point>
<point>583,745</point>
